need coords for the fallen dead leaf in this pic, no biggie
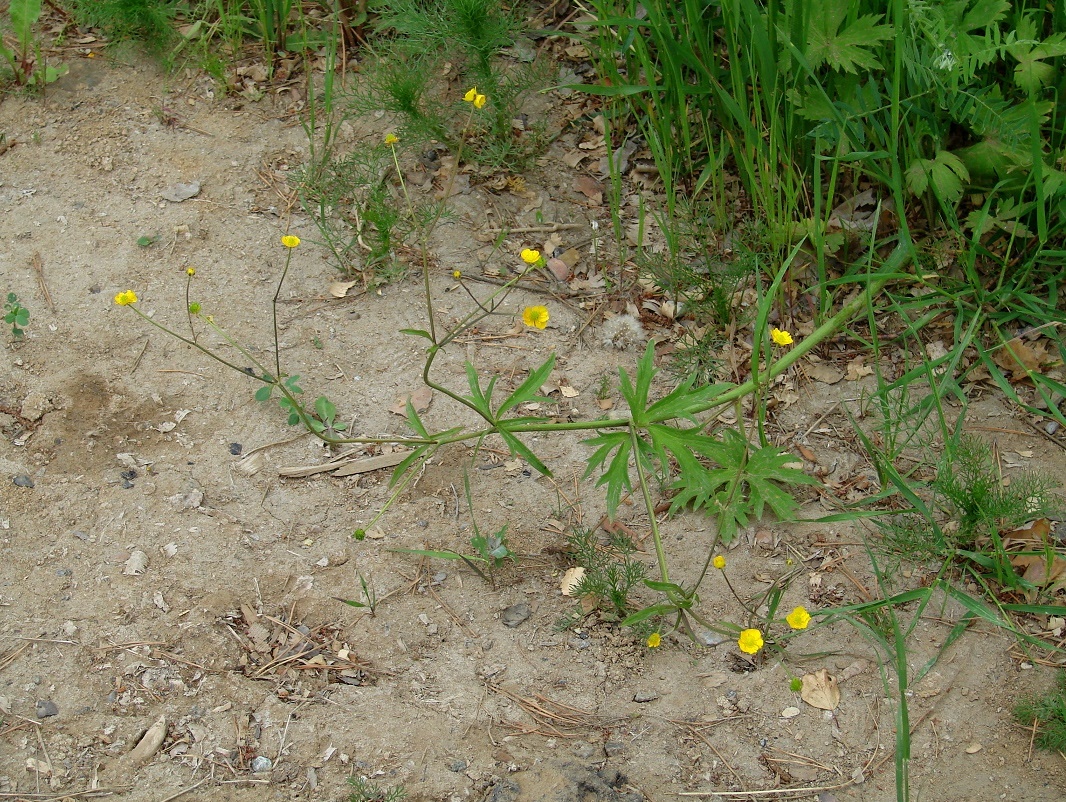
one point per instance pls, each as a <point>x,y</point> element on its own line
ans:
<point>974,748</point>
<point>605,403</point>
<point>559,269</point>
<point>420,399</point>
<point>568,391</point>
<point>824,373</point>
<point>339,289</point>
<point>571,579</point>
<point>590,188</point>
<point>1021,359</point>
<point>820,690</point>
<point>856,370</point>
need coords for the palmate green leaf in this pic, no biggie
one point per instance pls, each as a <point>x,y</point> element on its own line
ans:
<point>636,396</point>
<point>527,391</point>
<point>848,48</point>
<point>1032,71</point>
<point>616,473</point>
<point>684,402</point>
<point>945,175</point>
<point>481,399</point>
<point>517,447</point>
<point>741,487</point>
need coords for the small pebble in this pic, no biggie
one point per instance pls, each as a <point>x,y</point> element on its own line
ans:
<point>645,696</point>
<point>613,748</point>
<point>457,765</point>
<point>235,449</point>
<point>261,764</point>
<point>22,480</point>
<point>584,750</point>
<point>515,614</point>
<point>46,708</point>
<point>1051,428</point>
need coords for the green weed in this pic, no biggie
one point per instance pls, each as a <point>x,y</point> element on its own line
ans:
<point>16,315</point>
<point>1046,715</point>
<point>489,550</point>
<point>366,791</point>
<point>611,570</point>
<point>24,60</point>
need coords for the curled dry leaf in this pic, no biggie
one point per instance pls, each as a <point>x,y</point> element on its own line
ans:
<point>1021,359</point>
<point>137,564</point>
<point>571,579</point>
<point>820,690</point>
<point>339,289</point>
<point>150,743</point>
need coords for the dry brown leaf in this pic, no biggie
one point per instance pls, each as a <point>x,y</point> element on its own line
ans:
<point>1035,569</point>
<point>420,399</point>
<point>1021,359</point>
<point>590,188</point>
<point>568,391</point>
<point>820,690</point>
<point>339,289</point>
<point>574,158</point>
<point>856,369</point>
<point>605,403</point>
<point>571,579</point>
<point>824,373</point>
<point>559,269</point>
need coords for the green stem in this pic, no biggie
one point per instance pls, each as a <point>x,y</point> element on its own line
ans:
<point>274,309</point>
<point>660,554</point>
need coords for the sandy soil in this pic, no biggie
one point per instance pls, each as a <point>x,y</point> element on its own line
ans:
<point>160,569</point>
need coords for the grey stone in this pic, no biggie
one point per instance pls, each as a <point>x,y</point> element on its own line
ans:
<point>563,781</point>
<point>22,480</point>
<point>516,614</point>
<point>261,764</point>
<point>46,708</point>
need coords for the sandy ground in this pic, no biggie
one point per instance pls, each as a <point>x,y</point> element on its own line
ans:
<point>160,570</point>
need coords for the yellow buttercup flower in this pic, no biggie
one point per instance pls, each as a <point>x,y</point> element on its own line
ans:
<point>530,256</point>
<point>479,101</point>
<point>750,641</point>
<point>457,274</point>
<point>780,336</point>
<point>798,618</point>
<point>471,95</point>
<point>290,241</point>
<point>719,562</point>
<point>536,316</point>
<point>126,297</point>
<point>391,139</point>
<point>654,640</point>
<point>190,271</point>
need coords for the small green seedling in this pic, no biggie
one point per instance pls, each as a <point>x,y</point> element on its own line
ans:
<point>489,550</point>
<point>17,316</point>
<point>147,241</point>
<point>370,597</point>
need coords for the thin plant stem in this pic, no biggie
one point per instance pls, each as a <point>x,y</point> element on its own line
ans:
<point>274,310</point>
<point>660,554</point>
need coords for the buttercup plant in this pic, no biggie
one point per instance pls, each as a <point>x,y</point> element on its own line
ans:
<point>666,441</point>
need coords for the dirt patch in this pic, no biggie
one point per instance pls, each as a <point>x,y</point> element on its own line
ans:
<point>152,573</point>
